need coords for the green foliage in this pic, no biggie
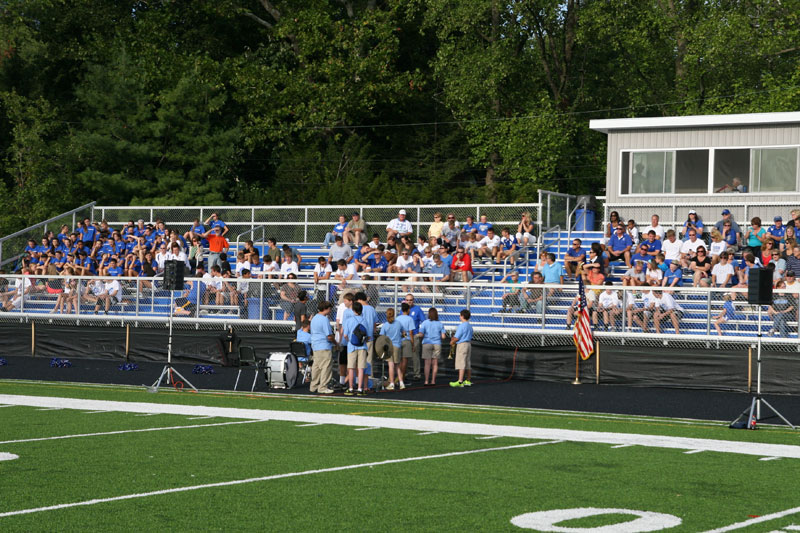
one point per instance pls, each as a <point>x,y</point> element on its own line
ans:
<point>327,101</point>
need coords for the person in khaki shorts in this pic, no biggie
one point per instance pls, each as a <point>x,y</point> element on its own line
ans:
<point>407,351</point>
<point>432,332</point>
<point>322,344</point>
<point>394,329</point>
<point>462,339</point>
<point>356,354</point>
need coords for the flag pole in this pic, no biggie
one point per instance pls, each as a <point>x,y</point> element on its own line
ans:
<point>577,363</point>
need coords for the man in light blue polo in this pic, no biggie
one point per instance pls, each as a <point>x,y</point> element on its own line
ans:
<point>619,246</point>
<point>322,344</point>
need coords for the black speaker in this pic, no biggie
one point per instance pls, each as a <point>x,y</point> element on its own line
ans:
<point>173,275</point>
<point>759,286</point>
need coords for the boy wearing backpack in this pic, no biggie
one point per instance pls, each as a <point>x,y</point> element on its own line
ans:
<point>354,330</point>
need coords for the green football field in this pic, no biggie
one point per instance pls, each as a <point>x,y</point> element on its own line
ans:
<point>78,457</point>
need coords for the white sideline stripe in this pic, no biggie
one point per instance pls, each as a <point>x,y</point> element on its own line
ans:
<point>598,437</point>
<point>309,425</point>
<point>148,414</point>
<point>268,478</point>
<point>690,452</point>
<point>769,458</point>
<point>367,429</point>
<point>96,412</point>
<point>758,520</point>
<point>123,431</point>
<point>792,528</point>
<point>7,405</point>
<point>44,408</point>
<point>428,433</point>
<point>489,437</point>
<point>200,417</point>
<point>622,446</point>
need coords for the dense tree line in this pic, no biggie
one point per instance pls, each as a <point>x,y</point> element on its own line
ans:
<point>358,101</point>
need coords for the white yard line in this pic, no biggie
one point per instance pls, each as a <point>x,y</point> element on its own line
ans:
<point>96,412</point>
<point>46,408</point>
<point>7,405</point>
<point>769,458</point>
<point>690,452</point>
<point>366,429</point>
<point>123,431</point>
<point>200,417</point>
<point>758,520</point>
<point>489,437</point>
<point>622,446</point>
<point>600,437</point>
<point>267,478</point>
<point>428,433</point>
<point>309,425</point>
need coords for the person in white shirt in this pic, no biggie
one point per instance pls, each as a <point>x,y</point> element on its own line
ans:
<point>176,253</point>
<point>375,242</point>
<point>656,227</point>
<point>112,294</point>
<point>404,263</point>
<point>289,266</point>
<point>241,263</point>
<point>667,307</point>
<point>399,226</point>
<point>22,286</point>
<point>671,247</point>
<point>489,245</point>
<point>609,305</point>
<point>633,231</point>
<point>269,268</point>
<point>722,273</point>
<point>640,307</point>
<point>717,246</point>
<point>689,248</point>
<point>347,275</point>
<point>213,284</point>
<point>322,270</point>
<point>654,274</point>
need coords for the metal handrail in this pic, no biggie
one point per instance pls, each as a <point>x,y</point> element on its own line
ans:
<point>570,226</point>
<point>42,224</point>
<point>252,231</point>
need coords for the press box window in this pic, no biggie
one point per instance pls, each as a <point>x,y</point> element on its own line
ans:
<point>673,172</point>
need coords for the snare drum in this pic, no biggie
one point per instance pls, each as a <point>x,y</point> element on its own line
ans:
<point>281,370</point>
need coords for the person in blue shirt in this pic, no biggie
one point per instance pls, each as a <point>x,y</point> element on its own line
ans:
<point>356,355</point>
<point>462,340</point>
<point>304,335</point>
<point>469,226</point>
<point>693,222</point>
<point>214,221</point>
<point>338,229</point>
<point>641,254</point>
<point>88,231</point>
<point>59,260</point>
<point>574,257</point>
<point>395,330</point>
<point>113,269</point>
<point>376,262</point>
<point>777,232</point>
<point>432,336</point>
<point>370,319</point>
<point>653,244</point>
<point>322,340</point>
<point>619,246</point>
<point>140,228</point>
<point>418,315</point>
<point>197,229</point>
<point>674,276</point>
<point>407,347</point>
<point>484,226</point>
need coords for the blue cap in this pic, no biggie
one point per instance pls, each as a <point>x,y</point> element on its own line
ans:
<point>777,218</point>
<point>726,211</point>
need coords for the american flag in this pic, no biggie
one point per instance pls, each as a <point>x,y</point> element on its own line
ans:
<point>582,335</point>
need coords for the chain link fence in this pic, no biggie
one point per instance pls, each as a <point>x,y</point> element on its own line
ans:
<point>674,215</point>
<point>310,224</point>
<point>514,315</point>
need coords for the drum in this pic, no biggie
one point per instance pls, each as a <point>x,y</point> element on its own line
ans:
<point>281,370</point>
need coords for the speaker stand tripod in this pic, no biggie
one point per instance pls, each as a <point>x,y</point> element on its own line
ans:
<point>168,373</point>
<point>753,412</point>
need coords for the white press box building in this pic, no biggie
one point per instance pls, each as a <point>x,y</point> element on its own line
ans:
<point>749,163</point>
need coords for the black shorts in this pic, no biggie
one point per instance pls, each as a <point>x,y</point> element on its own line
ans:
<point>343,355</point>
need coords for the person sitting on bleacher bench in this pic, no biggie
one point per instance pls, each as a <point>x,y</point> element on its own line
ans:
<point>674,276</point>
<point>666,308</point>
<point>511,299</point>
<point>337,231</point>
<point>574,257</point>
<point>619,246</point>
<point>729,229</point>
<point>635,276</point>
<point>356,230</point>
<point>339,251</point>
<point>609,304</point>
<point>782,310</point>
<point>532,298</point>
<point>689,248</point>
<point>461,266</point>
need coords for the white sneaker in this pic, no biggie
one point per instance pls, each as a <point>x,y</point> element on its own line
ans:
<point>326,390</point>
<point>390,386</point>
<point>402,385</point>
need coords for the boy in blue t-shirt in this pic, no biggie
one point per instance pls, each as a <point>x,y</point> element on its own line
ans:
<point>304,335</point>
<point>462,340</point>
<point>777,232</point>
<point>674,276</point>
<point>394,330</point>
<point>113,269</point>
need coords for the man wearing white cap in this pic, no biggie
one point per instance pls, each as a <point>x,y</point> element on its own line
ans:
<point>399,226</point>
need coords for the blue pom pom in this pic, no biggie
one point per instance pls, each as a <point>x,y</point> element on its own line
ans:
<point>3,361</point>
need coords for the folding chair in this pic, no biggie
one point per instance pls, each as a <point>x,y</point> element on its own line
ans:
<point>298,349</point>
<point>247,356</point>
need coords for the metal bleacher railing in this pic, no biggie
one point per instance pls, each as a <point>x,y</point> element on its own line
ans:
<point>499,315</point>
<point>309,224</point>
<point>11,246</point>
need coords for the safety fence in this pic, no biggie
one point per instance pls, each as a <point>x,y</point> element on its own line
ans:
<point>674,214</point>
<point>307,224</point>
<point>502,313</point>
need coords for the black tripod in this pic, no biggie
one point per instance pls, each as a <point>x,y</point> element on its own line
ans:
<point>753,412</point>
